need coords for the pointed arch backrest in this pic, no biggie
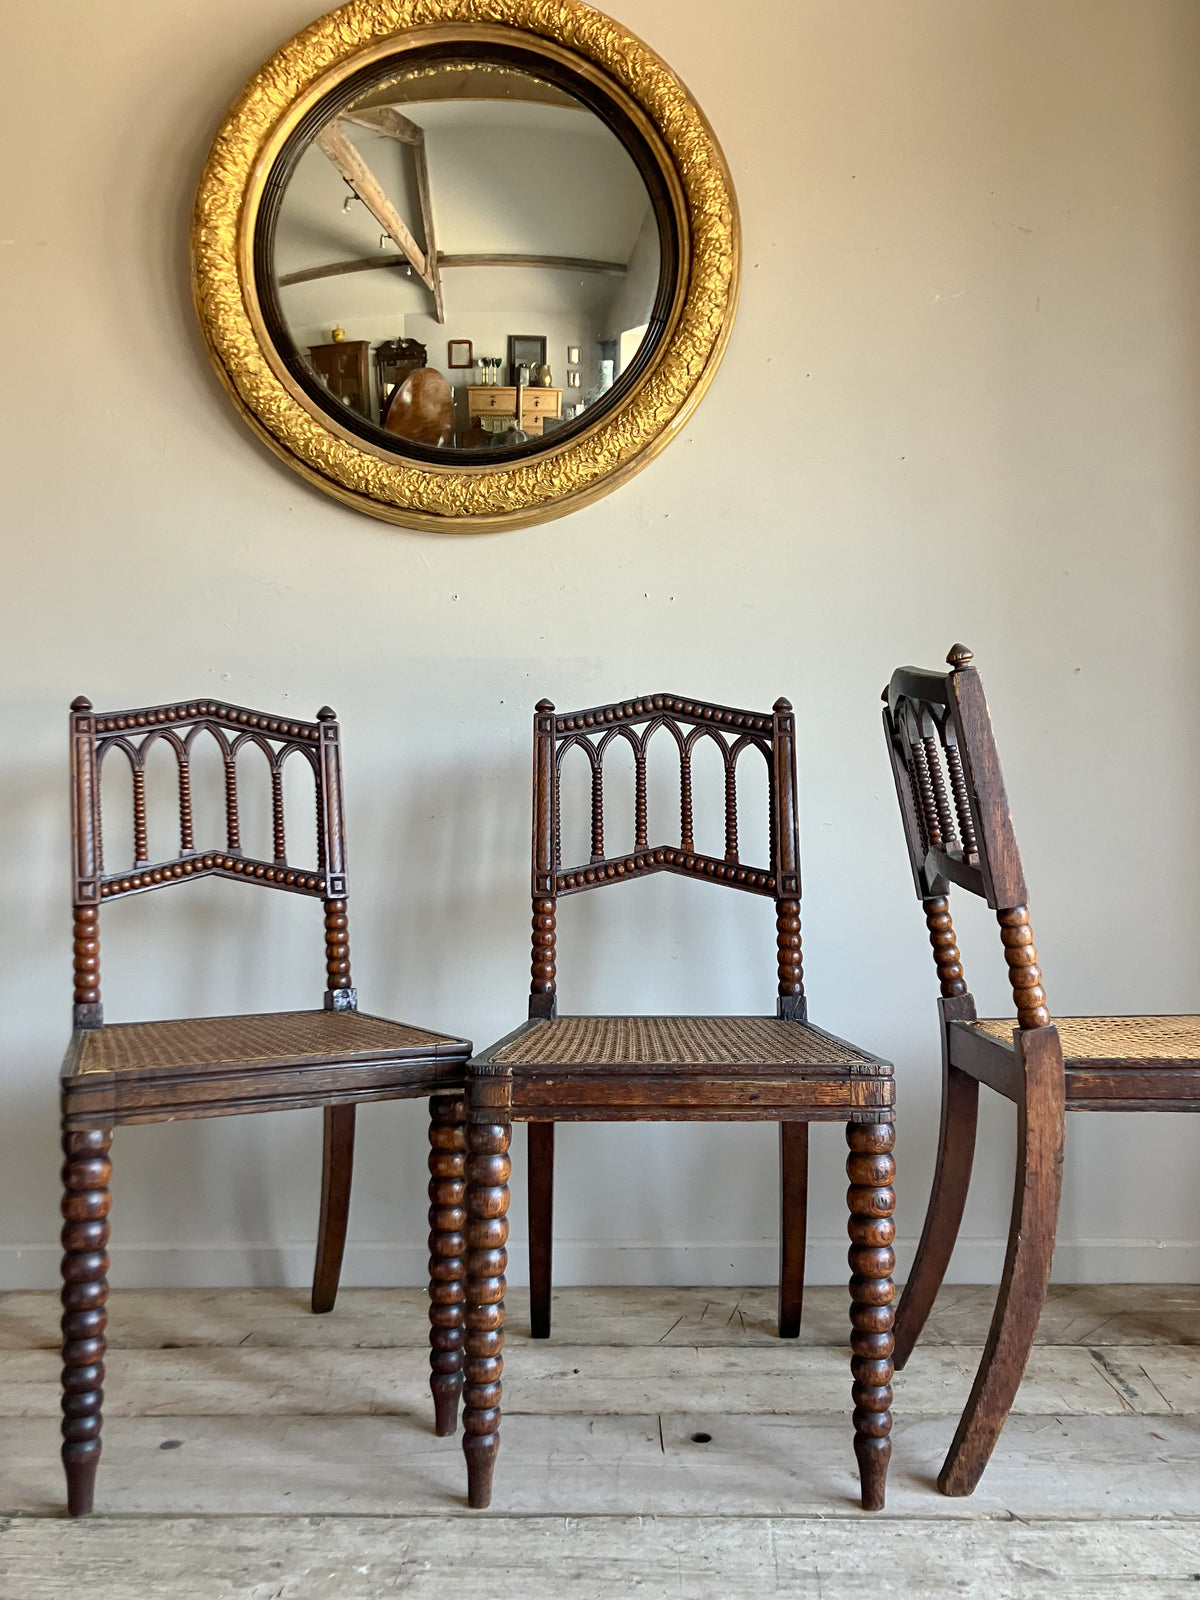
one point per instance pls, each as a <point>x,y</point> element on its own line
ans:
<point>131,735</point>
<point>957,822</point>
<point>684,723</point>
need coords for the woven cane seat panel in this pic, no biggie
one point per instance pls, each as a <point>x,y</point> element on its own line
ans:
<point>678,1041</point>
<point>248,1041</point>
<point>1114,1038</point>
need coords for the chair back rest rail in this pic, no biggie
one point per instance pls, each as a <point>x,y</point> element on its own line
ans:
<point>685,723</point>
<point>94,736</point>
<point>957,823</point>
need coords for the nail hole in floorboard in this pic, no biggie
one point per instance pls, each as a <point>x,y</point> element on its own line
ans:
<point>702,1438</point>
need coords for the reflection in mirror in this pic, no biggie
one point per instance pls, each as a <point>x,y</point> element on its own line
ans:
<point>467,204</point>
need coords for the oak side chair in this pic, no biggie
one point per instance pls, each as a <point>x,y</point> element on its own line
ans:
<point>219,1066</point>
<point>657,1069</point>
<point>959,831</point>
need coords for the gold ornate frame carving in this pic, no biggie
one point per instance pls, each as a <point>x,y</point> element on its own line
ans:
<point>466,497</point>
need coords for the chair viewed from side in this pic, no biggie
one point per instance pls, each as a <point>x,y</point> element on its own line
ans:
<point>141,1072</point>
<point>959,832</point>
<point>780,1068</point>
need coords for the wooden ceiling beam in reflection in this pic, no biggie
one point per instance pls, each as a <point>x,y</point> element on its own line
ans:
<point>334,143</point>
<point>337,269</point>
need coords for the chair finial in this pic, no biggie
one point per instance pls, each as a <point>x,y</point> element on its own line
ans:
<point>782,705</point>
<point>959,657</point>
<point>327,714</point>
<point>545,705</point>
<point>81,703</point>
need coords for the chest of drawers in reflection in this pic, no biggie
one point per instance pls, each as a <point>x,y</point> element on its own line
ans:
<point>496,410</point>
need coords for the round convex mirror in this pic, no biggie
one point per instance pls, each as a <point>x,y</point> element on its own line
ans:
<point>465,266</point>
<point>466,260</point>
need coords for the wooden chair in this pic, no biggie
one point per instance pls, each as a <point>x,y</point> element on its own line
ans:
<point>219,1066</point>
<point>656,1069</point>
<point>959,831</point>
<point>422,409</point>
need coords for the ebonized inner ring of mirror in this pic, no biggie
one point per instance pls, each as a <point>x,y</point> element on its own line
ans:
<point>502,126</point>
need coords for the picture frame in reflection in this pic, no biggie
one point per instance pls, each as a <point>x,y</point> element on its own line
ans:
<point>572,355</point>
<point>528,349</point>
<point>459,354</point>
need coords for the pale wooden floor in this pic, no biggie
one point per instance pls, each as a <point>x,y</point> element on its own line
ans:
<point>256,1451</point>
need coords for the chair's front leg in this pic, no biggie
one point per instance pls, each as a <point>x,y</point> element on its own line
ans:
<point>447,1243</point>
<point>488,1167</point>
<point>85,1206</point>
<point>872,1200</point>
<point>1031,1234</point>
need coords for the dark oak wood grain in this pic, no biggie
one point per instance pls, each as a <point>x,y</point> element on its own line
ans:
<point>958,829</point>
<point>808,1076</point>
<point>120,1074</point>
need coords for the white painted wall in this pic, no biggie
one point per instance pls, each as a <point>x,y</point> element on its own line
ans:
<point>961,400</point>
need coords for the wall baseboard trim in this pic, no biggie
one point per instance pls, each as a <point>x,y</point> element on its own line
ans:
<point>584,1261</point>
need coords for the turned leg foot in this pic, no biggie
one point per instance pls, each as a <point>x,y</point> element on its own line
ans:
<point>447,1270</point>
<point>872,1200</point>
<point>487,1233</point>
<point>337,1169</point>
<point>85,1206</point>
<point>793,1224</point>
<point>541,1226</point>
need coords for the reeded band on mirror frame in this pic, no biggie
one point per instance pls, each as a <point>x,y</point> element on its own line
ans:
<point>478,495</point>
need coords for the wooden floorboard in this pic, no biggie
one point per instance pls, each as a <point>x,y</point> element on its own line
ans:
<point>554,1379</point>
<point>545,1558</point>
<point>1129,1314</point>
<point>663,1443</point>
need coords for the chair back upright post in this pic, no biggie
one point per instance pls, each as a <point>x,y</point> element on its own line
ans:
<point>958,826</point>
<point>684,722</point>
<point>94,736</point>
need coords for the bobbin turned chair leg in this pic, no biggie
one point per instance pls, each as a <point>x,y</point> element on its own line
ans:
<point>447,1246</point>
<point>793,1224</point>
<point>872,1200</point>
<point>540,1168</point>
<point>951,1180</point>
<point>1027,1263</point>
<point>488,1169</point>
<point>337,1170</point>
<point>85,1207</point>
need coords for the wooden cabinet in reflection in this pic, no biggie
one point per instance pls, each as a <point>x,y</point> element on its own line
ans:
<point>536,406</point>
<point>530,405</point>
<point>346,369</point>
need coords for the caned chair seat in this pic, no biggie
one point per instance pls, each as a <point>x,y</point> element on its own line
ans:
<point>253,1043</point>
<point>746,1043</point>
<point>1109,1039</point>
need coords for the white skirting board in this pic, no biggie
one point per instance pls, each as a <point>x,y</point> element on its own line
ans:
<point>581,1261</point>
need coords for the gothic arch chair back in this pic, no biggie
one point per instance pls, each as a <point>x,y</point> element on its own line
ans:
<point>142,1072</point>
<point>778,1068</point>
<point>959,833</point>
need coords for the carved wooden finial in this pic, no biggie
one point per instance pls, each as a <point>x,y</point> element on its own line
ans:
<point>959,657</point>
<point>782,705</point>
<point>81,703</point>
<point>327,714</point>
<point>545,705</point>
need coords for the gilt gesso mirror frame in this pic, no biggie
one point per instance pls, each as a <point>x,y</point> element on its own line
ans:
<point>595,62</point>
